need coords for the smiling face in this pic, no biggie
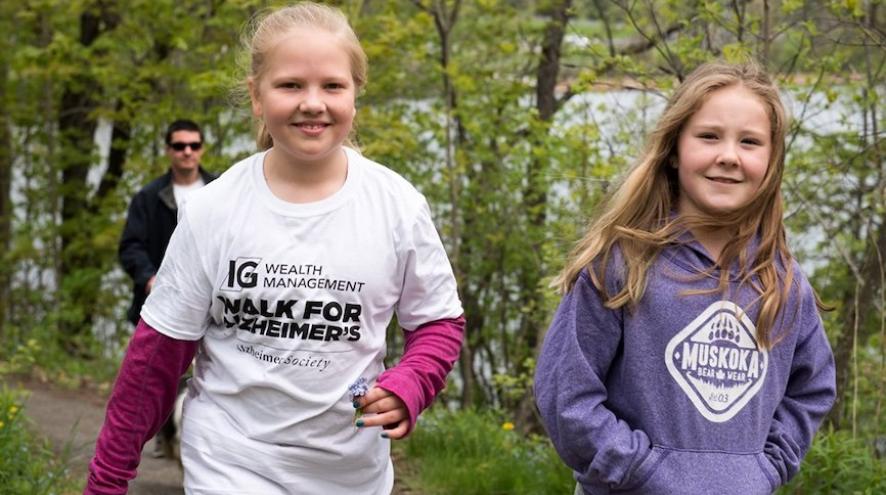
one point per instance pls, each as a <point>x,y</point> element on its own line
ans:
<point>306,96</point>
<point>723,153</point>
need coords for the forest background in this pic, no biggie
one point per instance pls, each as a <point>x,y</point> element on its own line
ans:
<point>513,117</point>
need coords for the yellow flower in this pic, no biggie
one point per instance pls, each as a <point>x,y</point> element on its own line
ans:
<point>1,424</point>
<point>12,410</point>
<point>507,426</point>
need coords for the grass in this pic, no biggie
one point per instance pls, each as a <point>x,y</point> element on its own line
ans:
<point>27,464</point>
<point>479,452</point>
<point>838,463</point>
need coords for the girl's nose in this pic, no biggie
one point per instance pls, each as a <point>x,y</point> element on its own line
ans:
<point>728,154</point>
<point>312,102</point>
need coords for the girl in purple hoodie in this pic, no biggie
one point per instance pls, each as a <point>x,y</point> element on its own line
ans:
<point>687,355</point>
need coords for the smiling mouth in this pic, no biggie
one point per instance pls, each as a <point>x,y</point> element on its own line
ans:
<point>724,180</point>
<point>311,129</point>
<point>311,126</point>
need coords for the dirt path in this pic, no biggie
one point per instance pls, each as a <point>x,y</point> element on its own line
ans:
<point>74,418</point>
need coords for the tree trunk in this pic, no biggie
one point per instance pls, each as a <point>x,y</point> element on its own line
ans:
<point>78,275</point>
<point>536,198</point>
<point>765,34</point>
<point>76,130</point>
<point>445,18</point>
<point>5,199</point>
<point>120,135</point>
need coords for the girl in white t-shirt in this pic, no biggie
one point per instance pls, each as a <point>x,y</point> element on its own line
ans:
<point>281,279</point>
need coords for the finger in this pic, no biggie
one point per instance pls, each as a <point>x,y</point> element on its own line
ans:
<point>365,399</point>
<point>382,419</point>
<point>383,405</point>
<point>374,394</point>
<point>398,431</point>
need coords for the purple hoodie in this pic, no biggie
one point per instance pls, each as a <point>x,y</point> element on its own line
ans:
<point>675,395</point>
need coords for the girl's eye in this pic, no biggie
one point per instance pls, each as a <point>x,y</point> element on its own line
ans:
<point>289,85</point>
<point>751,141</point>
<point>335,86</point>
<point>707,136</point>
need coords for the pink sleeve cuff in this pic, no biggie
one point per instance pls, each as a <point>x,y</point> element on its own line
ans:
<point>143,397</point>
<point>429,353</point>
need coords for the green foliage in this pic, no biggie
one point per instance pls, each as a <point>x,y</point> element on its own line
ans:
<point>838,463</point>
<point>515,387</point>
<point>480,452</point>
<point>27,465</point>
<point>42,356</point>
<point>149,63</point>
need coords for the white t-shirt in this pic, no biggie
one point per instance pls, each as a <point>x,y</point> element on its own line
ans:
<point>292,302</point>
<point>182,192</point>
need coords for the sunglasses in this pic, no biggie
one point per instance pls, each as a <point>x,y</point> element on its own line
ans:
<point>181,146</point>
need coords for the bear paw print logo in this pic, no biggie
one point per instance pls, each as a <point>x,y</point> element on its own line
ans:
<point>724,329</point>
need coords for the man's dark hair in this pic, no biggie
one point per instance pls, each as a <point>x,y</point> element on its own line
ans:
<point>182,125</point>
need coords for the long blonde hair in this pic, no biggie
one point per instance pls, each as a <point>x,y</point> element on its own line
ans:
<point>264,31</point>
<point>637,217</point>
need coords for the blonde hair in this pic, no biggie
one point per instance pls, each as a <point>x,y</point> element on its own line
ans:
<point>637,217</point>
<point>265,31</point>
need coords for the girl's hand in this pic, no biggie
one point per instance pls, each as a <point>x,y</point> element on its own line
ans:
<point>387,410</point>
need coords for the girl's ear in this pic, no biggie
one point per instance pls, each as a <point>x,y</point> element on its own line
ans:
<point>253,97</point>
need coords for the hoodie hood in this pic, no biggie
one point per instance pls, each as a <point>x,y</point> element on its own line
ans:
<point>688,254</point>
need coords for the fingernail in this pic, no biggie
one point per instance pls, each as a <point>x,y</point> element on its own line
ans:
<point>356,405</point>
<point>384,434</point>
<point>359,423</point>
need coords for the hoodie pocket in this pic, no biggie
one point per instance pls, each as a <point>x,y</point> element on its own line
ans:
<point>769,470</point>
<point>667,471</point>
<point>645,470</point>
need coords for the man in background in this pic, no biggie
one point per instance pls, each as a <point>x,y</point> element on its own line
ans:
<point>152,217</point>
<point>153,211</point>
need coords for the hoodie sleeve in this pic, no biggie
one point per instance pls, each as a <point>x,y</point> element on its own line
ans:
<point>809,395</point>
<point>570,390</point>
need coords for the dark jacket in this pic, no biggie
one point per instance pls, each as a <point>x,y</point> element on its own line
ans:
<point>150,221</point>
